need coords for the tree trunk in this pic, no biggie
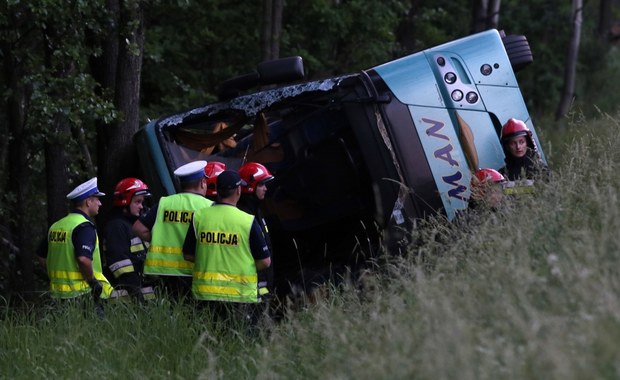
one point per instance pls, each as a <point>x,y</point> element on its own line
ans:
<point>278,7</point>
<point>116,156</point>
<point>56,176</point>
<point>480,15</point>
<point>570,70</point>
<point>103,69</point>
<point>267,27</point>
<point>604,20</point>
<point>56,159</point>
<point>493,15</point>
<point>22,279</point>
<point>405,33</point>
<point>272,28</point>
<point>486,15</point>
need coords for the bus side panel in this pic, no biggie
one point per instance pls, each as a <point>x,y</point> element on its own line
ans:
<point>488,149</point>
<point>412,81</point>
<point>444,155</point>
<point>152,161</point>
<point>480,49</point>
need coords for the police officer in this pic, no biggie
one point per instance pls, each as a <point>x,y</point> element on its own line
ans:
<point>165,227</point>
<point>125,252</point>
<point>256,177</point>
<point>228,248</point>
<point>72,257</point>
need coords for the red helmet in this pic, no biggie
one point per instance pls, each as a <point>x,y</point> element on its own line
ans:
<point>481,180</point>
<point>127,188</point>
<point>212,170</point>
<point>515,127</point>
<point>489,175</point>
<point>253,173</point>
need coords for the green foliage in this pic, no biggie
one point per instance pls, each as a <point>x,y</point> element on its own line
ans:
<point>547,26</point>
<point>528,291</point>
<point>438,22</point>
<point>158,341</point>
<point>192,46</point>
<point>338,37</point>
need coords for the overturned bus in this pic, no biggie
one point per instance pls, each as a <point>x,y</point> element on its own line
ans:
<point>357,158</point>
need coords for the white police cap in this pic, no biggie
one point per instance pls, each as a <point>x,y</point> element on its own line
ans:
<point>85,190</point>
<point>191,171</point>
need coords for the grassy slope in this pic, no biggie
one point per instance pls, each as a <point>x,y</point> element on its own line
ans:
<point>531,291</point>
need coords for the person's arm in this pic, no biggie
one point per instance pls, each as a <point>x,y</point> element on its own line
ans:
<point>263,264</point>
<point>143,226</point>
<point>141,230</point>
<point>189,245</point>
<point>84,239</point>
<point>259,248</point>
<point>86,268</point>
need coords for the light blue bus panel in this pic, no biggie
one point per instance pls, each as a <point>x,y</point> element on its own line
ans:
<point>412,81</point>
<point>481,49</point>
<point>444,155</point>
<point>488,149</point>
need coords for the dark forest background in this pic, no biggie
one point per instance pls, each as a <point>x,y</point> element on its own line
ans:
<point>80,77</point>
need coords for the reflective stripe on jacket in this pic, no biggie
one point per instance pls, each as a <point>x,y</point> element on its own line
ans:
<point>224,269</point>
<point>165,254</point>
<point>66,280</point>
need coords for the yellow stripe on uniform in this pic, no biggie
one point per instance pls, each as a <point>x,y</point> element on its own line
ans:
<point>170,264</point>
<point>209,276</point>
<point>209,289</point>
<point>167,250</point>
<point>66,275</point>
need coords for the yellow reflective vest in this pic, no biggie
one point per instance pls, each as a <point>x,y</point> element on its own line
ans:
<point>165,254</point>
<point>224,269</point>
<point>66,280</point>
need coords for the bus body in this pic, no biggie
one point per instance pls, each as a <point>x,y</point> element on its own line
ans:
<point>357,158</point>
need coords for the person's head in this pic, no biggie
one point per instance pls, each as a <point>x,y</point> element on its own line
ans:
<point>516,137</point>
<point>192,177</point>
<point>85,197</point>
<point>256,176</point>
<point>229,186</point>
<point>130,194</point>
<point>487,187</point>
<point>212,171</point>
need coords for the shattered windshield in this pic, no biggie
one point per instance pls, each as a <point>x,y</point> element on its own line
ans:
<point>243,127</point>
<point>254,103</point>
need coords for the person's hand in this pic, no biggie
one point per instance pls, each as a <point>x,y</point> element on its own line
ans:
<point>96,288</point>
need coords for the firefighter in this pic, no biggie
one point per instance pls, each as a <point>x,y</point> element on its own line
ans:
<point>521,153</point>
<point>125,252</point>
<point>72,256</point>
<point>165,227</point>
<point>487,188</point>
<point>228,248</point>
<point>212,170</point>
<point>256,177</point>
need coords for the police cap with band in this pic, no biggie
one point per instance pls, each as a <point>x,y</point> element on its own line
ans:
<point>229,179</point>
<point>191,171</point>
<point>85,190</point>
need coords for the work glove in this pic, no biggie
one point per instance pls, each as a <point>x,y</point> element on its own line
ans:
<point>96,288</point>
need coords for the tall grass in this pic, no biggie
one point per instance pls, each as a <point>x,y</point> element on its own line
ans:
<point>529,291</point>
